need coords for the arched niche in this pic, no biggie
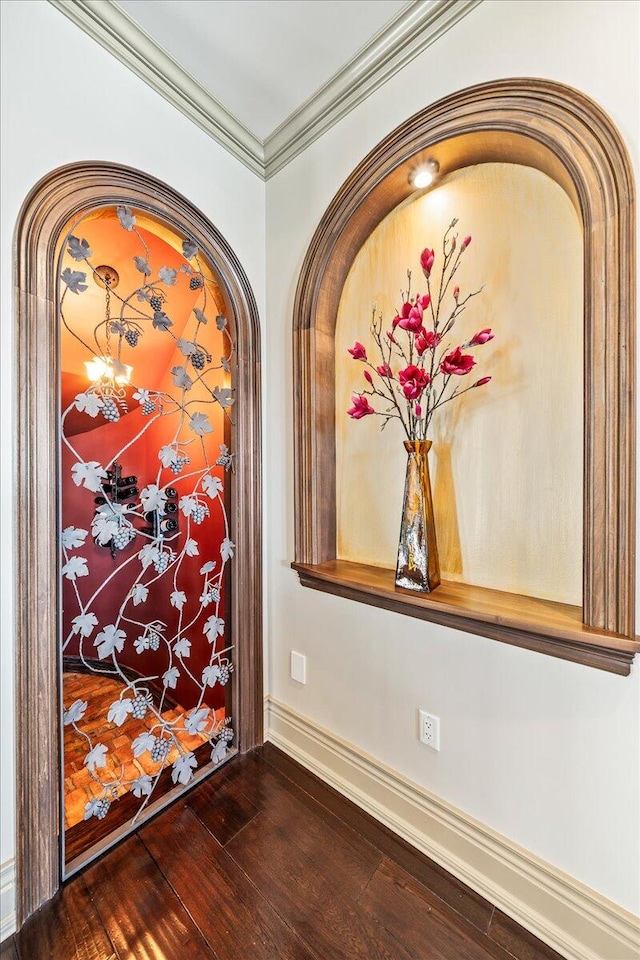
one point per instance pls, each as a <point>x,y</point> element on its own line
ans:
<point>69,193</point>
<point>561,132</point>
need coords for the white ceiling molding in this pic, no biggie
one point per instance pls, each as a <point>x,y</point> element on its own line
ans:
<point>118,33</point>
<point>418,25</point>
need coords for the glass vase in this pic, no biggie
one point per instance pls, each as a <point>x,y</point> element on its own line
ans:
<point>418,567</point>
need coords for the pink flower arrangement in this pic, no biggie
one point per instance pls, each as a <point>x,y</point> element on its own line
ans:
<point>427,366</point>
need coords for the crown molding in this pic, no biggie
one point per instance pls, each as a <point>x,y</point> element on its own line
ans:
<point>419,23</point>
<point>117,32</point>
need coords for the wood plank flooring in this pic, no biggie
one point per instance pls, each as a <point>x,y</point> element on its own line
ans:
<point>265,862</point>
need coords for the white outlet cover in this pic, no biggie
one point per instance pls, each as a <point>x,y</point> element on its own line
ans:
<point>429,729</point>
<point>298,667</point>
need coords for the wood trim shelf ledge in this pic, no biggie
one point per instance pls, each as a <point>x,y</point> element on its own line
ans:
<point>555,629</point>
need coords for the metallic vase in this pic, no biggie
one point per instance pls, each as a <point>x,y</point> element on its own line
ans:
<point>418,566</point>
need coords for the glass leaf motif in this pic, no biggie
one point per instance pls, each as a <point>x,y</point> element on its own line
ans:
<point>159,428</point>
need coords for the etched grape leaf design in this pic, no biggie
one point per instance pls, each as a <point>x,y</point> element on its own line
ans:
<point>144,742</point>
<point>153,498</point>
<point>196,720</point>
<point>148,555</point>
<point>211,675</point>
<point>143,786</point>
<point>212,485</point>
<point>84,624</point>
<point>79,249</point>
<point>73,537</point>
<point>89,403</point>
<point>161,320</point>
<point>224,396</point>
<point>183,767</point>
<point>186,347</point>
<point>168,276</point>
<point>139,593</point>
<point>214,627</point>
<point>178,599</point>
<point>88,474</point>
<point>96,757</point>
<point>227,549</point>
<point>75,280</point>
<point>170,677</point>
<point>126,218</point>
<point>182,379</point>
<point>75,567</point>
<point>219,752</point>
<point>142,265</point>
<point>75,712</point>
<point>110,639</point>
<point>200,424</point>
<point>182,647</point>
<point>119,711</point>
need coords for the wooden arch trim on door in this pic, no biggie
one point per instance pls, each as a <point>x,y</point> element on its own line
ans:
<point>69,192</point>
<point>562,132</point>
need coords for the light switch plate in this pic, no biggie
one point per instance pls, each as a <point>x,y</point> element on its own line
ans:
<point>298,667</point>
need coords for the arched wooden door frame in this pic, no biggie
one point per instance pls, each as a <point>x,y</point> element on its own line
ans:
<point>68,192</point>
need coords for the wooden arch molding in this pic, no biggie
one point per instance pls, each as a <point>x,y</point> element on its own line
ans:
<point>562,132</point>
<point>69,192</point>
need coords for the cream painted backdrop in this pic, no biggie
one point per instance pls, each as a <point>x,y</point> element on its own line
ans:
<point>506,463</point>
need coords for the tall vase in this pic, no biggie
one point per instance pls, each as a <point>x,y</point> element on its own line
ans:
<point>418,567</point>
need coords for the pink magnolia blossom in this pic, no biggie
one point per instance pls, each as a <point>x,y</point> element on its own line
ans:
<point>466,242</point>
<point>482,381</point>
<point>358,352</point>
<point>413,381</point>
<point>427,340</point>
<point>456,293</point>
<point>457,363</point>
<point>384,370</point>
<point>412,323</point>
<point>368,376</point>
<point>361,407</point>
<point>427,258</point>
<point>418,410</point>
<point>483,336</point>
<point>390,337</point>
<point>405,310</point>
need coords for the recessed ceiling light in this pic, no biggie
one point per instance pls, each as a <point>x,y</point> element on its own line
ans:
<point>424,175</point>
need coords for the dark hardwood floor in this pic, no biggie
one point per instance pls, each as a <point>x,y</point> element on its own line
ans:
<point>265,862</point>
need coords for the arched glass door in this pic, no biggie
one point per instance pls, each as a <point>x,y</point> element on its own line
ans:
<point>146,446</point>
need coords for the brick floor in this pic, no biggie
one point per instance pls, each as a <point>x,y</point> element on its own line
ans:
<point>100,692</point>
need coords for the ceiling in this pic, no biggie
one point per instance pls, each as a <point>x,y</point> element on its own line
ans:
<point>262,58</point>
<point>265,78</point>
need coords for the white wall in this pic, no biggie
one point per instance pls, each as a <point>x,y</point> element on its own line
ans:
<point>65,99</point>
<point>545,751</point>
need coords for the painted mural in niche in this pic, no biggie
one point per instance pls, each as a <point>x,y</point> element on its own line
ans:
<point>146,448</point>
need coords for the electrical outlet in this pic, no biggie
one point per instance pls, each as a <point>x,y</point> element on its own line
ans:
<point>429,730</point>
<point>298,667</point>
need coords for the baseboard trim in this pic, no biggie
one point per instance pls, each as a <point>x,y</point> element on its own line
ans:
<point>7,899</point>
<point>571,918</point>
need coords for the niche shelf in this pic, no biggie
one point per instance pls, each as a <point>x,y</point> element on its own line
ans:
<point>559,131</point>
